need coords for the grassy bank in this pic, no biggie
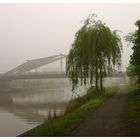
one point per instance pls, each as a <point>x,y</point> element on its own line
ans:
<point>82,106</point>
<point>134,106</point>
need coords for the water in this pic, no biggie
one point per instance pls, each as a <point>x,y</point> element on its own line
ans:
<point>28,102</point>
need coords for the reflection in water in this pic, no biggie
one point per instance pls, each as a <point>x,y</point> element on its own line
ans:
<point>28,102</point>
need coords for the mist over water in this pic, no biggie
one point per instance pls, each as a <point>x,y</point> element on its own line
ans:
<point>27,103</point>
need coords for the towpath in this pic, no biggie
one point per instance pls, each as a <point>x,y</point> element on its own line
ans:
<point>110,119</point>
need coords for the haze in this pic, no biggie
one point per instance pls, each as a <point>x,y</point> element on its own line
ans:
<point>30,31</point>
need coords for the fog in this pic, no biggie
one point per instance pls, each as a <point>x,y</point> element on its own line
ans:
<point>30,31</point>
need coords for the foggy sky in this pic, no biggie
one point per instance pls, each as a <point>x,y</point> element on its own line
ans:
<point>30,31</point>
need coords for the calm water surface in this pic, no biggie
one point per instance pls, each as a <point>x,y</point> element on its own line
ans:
<point>27,103</point>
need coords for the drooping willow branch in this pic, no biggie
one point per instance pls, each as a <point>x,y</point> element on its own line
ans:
<point>95,51</point>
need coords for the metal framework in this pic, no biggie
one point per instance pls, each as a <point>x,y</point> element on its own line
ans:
<point>34,64</point>
<point>19,72</point>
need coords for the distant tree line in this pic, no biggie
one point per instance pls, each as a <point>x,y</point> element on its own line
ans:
<point>134,68</point>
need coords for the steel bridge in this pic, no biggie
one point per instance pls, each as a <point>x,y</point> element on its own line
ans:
<point>23,71</point>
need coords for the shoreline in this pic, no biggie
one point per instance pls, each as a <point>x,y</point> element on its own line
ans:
<point>63,125</point>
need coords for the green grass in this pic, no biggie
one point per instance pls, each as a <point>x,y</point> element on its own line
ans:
<point>134,106</point>
<point>85,98</point>
<point>64,125</point>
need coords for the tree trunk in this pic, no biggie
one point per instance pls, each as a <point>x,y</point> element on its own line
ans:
<point>101,81</point>
<point>96,81</point>
<point>101,78</point>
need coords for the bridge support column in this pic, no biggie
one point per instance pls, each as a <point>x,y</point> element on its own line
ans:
<point>5,84</point>
<point>61,63</point>
<point>35,70</point>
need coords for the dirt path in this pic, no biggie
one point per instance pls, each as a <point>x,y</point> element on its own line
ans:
<point>111,119</point>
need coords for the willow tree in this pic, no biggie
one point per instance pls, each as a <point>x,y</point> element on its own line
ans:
<point>95,50</point>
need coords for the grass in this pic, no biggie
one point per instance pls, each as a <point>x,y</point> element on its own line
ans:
<point>62,126</point>
<point>134,106</point>
<point>80,100</point>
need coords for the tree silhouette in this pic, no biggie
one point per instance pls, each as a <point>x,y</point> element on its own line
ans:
<point>134,39</point>
<point>95,51</point>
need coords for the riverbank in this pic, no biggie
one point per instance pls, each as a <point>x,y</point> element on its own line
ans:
<point>63,126</point>
<point>134,106</point>
<point>109,120</point>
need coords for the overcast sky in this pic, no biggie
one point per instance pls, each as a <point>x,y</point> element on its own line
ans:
<point>30,31</point>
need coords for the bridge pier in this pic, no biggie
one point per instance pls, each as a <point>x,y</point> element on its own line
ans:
<point>61,63</point>
<point>35,70</point>
<point>4,84</point>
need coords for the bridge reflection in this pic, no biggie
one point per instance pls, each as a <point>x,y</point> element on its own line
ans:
<point>31,107</point>
<point>33,104</point>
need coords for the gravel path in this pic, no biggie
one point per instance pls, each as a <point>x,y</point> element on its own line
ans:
<point>111,119</point>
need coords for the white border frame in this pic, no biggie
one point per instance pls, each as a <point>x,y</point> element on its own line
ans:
<point>69,1</point>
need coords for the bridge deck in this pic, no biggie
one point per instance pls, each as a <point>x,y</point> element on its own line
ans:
<point>34,76</point>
